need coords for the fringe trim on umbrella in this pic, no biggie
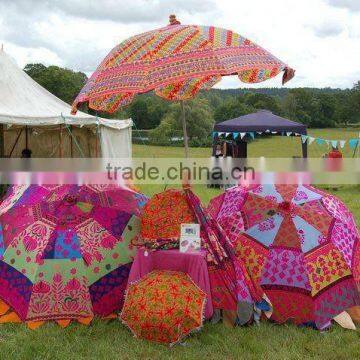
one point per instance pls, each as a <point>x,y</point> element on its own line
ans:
<point>9,316</point>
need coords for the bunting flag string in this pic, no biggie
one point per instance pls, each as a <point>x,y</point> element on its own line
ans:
<point>353,143</point>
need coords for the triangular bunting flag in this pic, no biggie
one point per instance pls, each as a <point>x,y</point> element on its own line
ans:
<point>214,134</point>
<point>242,135</point>
<point>259,132</point>
<point>252,135</point>
<point>235,135</point>
<point>310,140</point>
<point>304,138</point>
<point>267,131</point>
<point>353,143</point>
<point>288,133</point>
<point>334,143</point>
<point>342,143</point>
<point>320,141</point>
<point>274,132</point>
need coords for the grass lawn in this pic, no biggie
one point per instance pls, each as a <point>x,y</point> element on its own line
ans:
<point>270,146</point>
<point>112,340</point>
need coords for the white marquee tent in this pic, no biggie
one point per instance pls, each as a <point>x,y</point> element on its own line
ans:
<point>32,117</point>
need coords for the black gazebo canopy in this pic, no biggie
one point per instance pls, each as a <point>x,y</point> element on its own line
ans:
<point>261,121</point>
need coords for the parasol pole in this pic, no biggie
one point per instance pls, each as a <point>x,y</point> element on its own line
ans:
<point>184,128</point>
<point>97,137</point>
<point>96,145</point>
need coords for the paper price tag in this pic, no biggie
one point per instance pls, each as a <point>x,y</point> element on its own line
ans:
<point>190,238</point>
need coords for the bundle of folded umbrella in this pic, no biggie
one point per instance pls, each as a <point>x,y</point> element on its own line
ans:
<point>232,288</point>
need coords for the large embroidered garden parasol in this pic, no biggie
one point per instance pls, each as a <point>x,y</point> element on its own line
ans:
<point>164,306</point>
<point>300,244</point>
<point>65,251</point>
<point>176,61</point>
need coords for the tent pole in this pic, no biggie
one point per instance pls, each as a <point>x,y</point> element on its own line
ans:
<point>15,143</point>
<point>2,141</point>
<point>61,142</point>
<point>71,142</point>
<point>184,128</point>
<point>26,137</point>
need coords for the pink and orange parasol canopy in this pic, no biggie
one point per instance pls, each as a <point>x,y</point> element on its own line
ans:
<point>176,61</point>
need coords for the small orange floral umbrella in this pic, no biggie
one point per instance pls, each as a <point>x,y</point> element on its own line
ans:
<point>164,306</point>
<point>161,220</point>
<point>176,61</point>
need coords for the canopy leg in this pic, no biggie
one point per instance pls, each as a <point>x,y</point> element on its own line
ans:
<point>304,149</point>
<point>184,129</point>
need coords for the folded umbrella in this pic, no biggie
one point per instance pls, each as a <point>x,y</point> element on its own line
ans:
<point>164,306</point>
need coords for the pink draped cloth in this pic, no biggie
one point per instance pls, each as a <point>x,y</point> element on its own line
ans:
<point>194,264</point>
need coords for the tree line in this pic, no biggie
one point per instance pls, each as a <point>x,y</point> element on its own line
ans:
<point>317,108</point>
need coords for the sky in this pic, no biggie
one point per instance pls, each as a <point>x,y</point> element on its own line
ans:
<point>318,38</point>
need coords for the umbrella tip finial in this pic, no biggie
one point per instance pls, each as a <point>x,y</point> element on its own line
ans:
<point>173,20</point>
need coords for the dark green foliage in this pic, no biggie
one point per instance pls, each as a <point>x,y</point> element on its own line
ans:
<point>231,108</point>
<point>147,111</point>
<point>63,83</point>
<point>199,120</point>
<point>317,108</point>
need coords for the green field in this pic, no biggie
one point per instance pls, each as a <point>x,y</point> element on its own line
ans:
<point>270,146</point>
<point>112,340</point>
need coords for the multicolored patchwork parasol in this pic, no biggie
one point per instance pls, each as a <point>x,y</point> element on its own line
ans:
<point>164,306</point>
<point>176,61</point>
<point>65,250</point>
<point>300,244</point>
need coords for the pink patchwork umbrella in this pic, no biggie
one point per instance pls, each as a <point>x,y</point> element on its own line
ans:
<point>300,244</point>
<point>176,61</point>
<point>65,250</point>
